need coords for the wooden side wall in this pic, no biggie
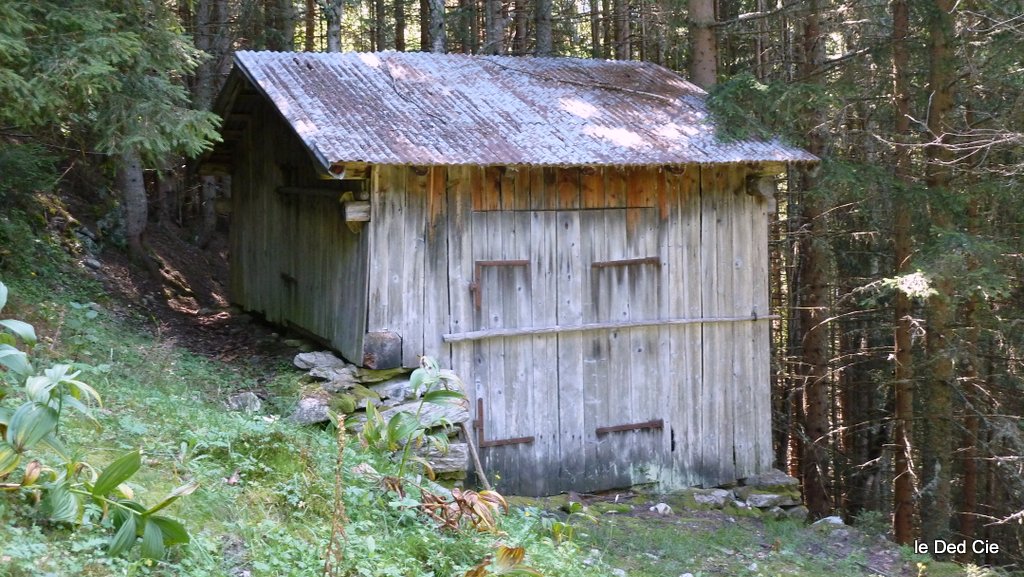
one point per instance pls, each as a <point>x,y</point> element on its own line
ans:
<point>432,228</point>
<point>293,259</point>
<point>408,266</point>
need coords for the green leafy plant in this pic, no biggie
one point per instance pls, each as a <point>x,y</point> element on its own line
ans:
<point>565,530</point>
<point>64,489</point>
<point>404,430</point>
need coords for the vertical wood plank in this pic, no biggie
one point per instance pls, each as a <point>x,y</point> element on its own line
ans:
<point>568,188</point>
<point>592,188</point>
<point>463,355</point>
<point>760,341</point>
<point>435,277</point>
<point>544,367</point>
<point>596,380</point>
<point>743,286</point>
<point>615,188</point>
<point>490,194</point>
<point>382,235</point>
<point>718,354</point>
<point>693,342</point>
<point>409,322</point>
<point>549,179</point>
<point>570,349</point>
<point>538,192</point>
<point>521,188</point>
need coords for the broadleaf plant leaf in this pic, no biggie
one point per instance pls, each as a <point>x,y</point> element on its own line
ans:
<point>14,360</point>
<point>9,459</point>
<point>173,531</point>
<point>124,538</point>
<point>152,541</point>
<point>29,424</point>
<point>61,504</point>
<point>20,328</point>
<point>443,397</point>
<point>116,473</point>
<point>3,295</point>
<point>186,489</point>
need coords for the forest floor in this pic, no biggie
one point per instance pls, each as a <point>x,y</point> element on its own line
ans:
<point>188,305</point>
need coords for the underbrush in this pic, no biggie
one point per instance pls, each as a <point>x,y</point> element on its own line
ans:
<point>265,500</point>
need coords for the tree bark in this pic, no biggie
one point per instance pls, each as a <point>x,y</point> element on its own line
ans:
<point>937,436</point>
<point>903,375</point>
<point>595,29</point>
<point>280,21</point>
<point>520,18</point>
<point>333,12</point>
<point>622,35</point>
<point>703,49</point>
<point>400,25</point>
<point>494,28</point>
<point>814,305</point>
<point>544,40</point>
<point>438,37</point>
<point>606,28</point>
<point>380,28</point>
<point>309,26</point>
<point>133,197</point>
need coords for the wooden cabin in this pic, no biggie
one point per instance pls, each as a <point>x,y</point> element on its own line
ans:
<point>568,235</point>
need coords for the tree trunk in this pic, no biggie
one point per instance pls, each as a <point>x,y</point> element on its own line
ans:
<point>622,39</point>
<point>937,399</point>
<point>703,49</point>
<point>400,25</point>
<point>309,25</point>
<point>520,18</point>
<point>606,28</point>
<point>595,29</point>
<point>544,41</point>
<point>438,38</point>
<point>474,26</point>
<point>814,305</point>
<point>333,12</point>
<point>133,197</point>
<point>494,28</point>
<point>280,21</point>
<point>903,482</point>
<point>202,88</point>
<point>380,28</point>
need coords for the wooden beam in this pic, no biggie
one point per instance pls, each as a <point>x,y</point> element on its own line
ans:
<point>517,332</point>
<point>382,350</point>
<point>655,424</point>
<point>356,210</point>
<point>626,262</point>
<point>350,170</point>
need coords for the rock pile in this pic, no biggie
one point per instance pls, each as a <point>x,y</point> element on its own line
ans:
<point>346,388</point>
<point>772,494</point>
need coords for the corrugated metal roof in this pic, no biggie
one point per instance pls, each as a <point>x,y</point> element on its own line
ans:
<point>437,109</point>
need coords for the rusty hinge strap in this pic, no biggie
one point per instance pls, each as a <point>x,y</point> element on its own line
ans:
<point>655,424</point>
<point>474,286</point>
<point>626,262</point>
<point>478,424</point>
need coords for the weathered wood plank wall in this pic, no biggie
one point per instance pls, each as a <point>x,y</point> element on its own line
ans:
<point>408,256</point>
<point>293,258</point>
<point>610,246</point>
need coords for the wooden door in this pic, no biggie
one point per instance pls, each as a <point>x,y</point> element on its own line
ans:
<point>570,408</point>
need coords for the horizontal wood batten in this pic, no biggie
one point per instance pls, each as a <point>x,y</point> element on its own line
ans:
<point>495,333</point>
